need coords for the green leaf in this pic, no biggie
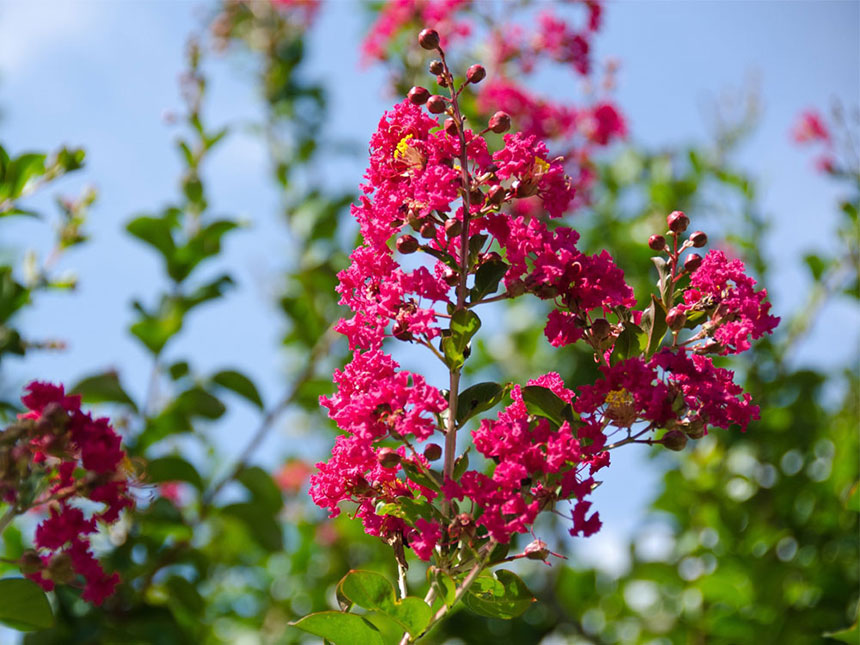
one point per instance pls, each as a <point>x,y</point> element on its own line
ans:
<point>849,635</point>
<point>543,402</point>
<point>476,399</point>
<point>632,341</point>
<point>501,594</point>
<point>186,593</point>
<point>197,402</point>
<point>654,325</point>
<point>418,476</point>
<point>817,266</point>
<point>155,231</point>
<point>240,384</point>
<point>407,508</point>
<point>665,282</point>
<point>442,257</point>
<point>172,468</point>
<point>374,592</point>
<point>464,324</point>
<point>853,503</point>
<point>103,388</point>
<point>487,279</point>
<point>340,628</point>
<point>461,465</point>
<point>20,171</point>
<point>446,588</point>
<point>24,606</point>
<point>262,488</point>
<point>260,524</point>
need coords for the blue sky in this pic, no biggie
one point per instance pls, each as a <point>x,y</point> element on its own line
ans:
<point>101,74</point>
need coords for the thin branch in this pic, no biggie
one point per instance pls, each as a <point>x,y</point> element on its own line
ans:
<point>267,423</point>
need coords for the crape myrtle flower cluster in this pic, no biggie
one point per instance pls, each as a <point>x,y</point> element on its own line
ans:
<point>480,219</point>
<point>522,39</point>
<point>55,459</point>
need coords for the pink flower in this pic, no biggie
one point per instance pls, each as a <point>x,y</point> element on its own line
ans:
<point>810,127</point>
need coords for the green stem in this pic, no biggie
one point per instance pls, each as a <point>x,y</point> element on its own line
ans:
<point>7,518</point>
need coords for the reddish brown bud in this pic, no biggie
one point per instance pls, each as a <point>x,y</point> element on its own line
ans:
<point>675,319</point>
<point>692,262</point>
<point>674,440</point>
<point>432,452</point>
<point>451,277</point>
<point>490,256</point>
<point>388,458</point>
<point>496,195</point>
<point>677,221</point>
<point>418,95</point>
<point>657,242</point>
<point>407,244</point>
<point>500,122</point>
<point>60,569</point>
<point>694,428</point>
<point>451,127</point>
<point>441,80</point>
<point>476,196</point>
<point>436,104</point>
<point>601,328</point>
<point>699,239</point>
<point>361,487</point>
<point>536,550</point>
<point>436,67</point>
<point>453,227</point>
<point>428,39</point>
<point>428,230</point>
<point>30,562</point>
<point>476,74</point>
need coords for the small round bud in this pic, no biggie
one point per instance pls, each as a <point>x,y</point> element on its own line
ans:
<point>436,104</point>
<point>30,562</point>
<point>450,127</point>
<point>674,440</point>
<point>433,451</point>
<point>677,221</point>
<point>387,458</point>
<point>441,81</point>
<point>699,239</point>
<point>694,428</point>
<point>60,569</point>
<point>451,277</point>
<point>418,95</point>
<point>496,195</point>
<point>407,244</point>
<point>428,231</point>
<point>692,262</point>
<point>428,39</point>
<point>675,319</point>
<point>500,122</point>
<point>476,196</point>
<point>536,550</point>
<point>657,242</point>
<point>361,487</point>
<point>436,67</point>
<point>476,74</point>
<point>453,227</point>
<point>601,328</point>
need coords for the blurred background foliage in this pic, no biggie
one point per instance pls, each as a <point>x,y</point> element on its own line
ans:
<point>753,538</point>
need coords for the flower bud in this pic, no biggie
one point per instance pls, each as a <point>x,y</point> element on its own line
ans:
<point>361,487</point>
<point>418,95</point>
<point>441,80</point>
<point>500,122</point>
<point>536,550</point>
<point>677,221</point>
<point>428,230</point>
<point>692,262</point>
<point>407,244</point>
<point>387,458</point>
<point>453,227</point>
<point>428,39</point>
<point>436,104</point>
<point>694,427</point>
<point>476,196</point>
<point>675,319</point>
<point>496,195</point>
<point>601,328</point>
<point>657,242</point>
<point>476,73</point>
<point>433,451</point>
<point>30,562</point>
<point>451,127</point>
<point>699,239</point>
<point>60,569</point>
<point>674,440</point>
<point>451,277</point>
<point>490,256</point>
<point>436,67</point>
